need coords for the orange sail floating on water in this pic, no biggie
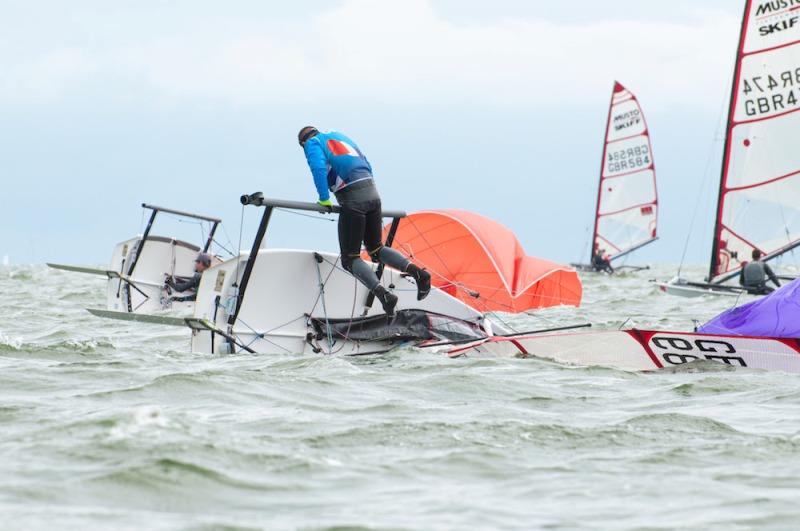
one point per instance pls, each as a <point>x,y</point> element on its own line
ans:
<point>482,263</point>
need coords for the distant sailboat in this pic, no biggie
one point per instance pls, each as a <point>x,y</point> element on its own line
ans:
<point>758,207</point>
<point>627,200</point>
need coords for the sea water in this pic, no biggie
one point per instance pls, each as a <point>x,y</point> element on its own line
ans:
<point>111,425</point>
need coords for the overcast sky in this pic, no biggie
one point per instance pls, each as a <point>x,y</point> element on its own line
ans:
<point>496,107</point>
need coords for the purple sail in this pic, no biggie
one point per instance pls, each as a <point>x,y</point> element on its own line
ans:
<point>776,315</point>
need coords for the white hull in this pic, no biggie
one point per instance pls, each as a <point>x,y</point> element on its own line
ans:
<point>144,291</point>
<point>643,350</point>
<point>283,295</point>
<point>682,288</point>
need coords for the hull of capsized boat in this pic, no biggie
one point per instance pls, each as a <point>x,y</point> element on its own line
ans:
<point>283,295</point>
<point>647,350</point>
<point>144,293</point>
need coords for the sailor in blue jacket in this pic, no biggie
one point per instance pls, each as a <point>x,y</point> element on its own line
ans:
<point>339,166</point>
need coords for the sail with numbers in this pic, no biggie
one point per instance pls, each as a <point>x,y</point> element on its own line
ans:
<point>627,200</point>
<point>759,196</point>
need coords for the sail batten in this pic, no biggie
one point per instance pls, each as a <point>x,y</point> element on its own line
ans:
<point>627,202</point>
<point>758,206</point>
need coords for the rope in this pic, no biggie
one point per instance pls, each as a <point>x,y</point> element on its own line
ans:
<point>227,237</point>
<point>702,188</point>
<point>301,214</point>
<point>346,336</point>
<point>238,258</point>
<point>222,247</point>
<point>259,335</point>
<point>324,308</point>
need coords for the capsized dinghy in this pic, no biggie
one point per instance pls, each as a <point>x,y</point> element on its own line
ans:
<point>758,206</point>
<point>140,265</point>
<point>626,216</point>
<point>763,334</point>
<point>296,301</point>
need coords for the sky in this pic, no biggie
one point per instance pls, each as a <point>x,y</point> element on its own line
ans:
<point>495,107</point>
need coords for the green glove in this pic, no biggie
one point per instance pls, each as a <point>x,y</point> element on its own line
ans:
<point>326,203</point>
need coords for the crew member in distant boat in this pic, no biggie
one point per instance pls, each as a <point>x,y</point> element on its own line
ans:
<point>339,166</point>
<point>201,263</point>
<point>753,276</point>
<point>600,260</point>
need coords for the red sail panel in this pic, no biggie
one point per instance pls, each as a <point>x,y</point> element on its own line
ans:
<point>759,199</point>
<point>481,262</point>
<point>627,201</point>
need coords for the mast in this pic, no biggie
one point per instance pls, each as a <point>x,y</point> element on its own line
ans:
<point>727,152</point>
<point>602,167</point>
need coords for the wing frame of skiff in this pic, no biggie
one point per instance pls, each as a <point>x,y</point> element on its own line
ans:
<point>139,265</point>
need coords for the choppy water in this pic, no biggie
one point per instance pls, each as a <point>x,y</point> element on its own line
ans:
<point>107,425</point>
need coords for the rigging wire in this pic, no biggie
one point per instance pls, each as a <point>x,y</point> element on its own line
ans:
<point>301,214</point>
<point>236,280</point>
<point>703,185</point>
<point>228,238</point>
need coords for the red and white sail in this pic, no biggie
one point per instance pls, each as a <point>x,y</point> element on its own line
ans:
<point>627,201</point>
<point>759,199</point>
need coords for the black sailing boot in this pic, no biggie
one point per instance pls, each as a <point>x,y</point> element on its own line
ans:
<point>423,279</point>
<point>388,300</point>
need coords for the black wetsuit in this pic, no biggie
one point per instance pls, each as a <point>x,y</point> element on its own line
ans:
<point>185,285</point>
<point>360,221</point>
<point>753,277</point>
<point>601,264</point>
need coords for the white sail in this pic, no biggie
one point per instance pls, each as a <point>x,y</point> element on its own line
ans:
<point>627,201</point>
<point>759,199</point>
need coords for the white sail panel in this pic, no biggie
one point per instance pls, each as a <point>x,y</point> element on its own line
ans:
<point>628,192</point>
<point>627,120</point>
<point>764,151</point>
<point>769,85</point>
<point>770,24</point>
<point>775,207</point>
<point>759,201</point>
<point>627,202</point>
<point>626,156</point>
<point>626,226</point>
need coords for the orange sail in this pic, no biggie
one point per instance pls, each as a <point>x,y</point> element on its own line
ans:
<point>482,263</point>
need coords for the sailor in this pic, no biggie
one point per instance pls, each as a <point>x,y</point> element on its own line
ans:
<point>753,276</point>
<point>600,260</point>
<point>339,166</point>
<point>201,263</point>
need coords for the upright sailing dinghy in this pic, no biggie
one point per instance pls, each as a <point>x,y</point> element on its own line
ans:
<point>295,301</point>
<point>758,207</point>
<point>139,265</point>
<point>626,216</point>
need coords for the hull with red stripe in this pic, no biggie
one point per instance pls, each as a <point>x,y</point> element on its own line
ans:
<point>646,350</point>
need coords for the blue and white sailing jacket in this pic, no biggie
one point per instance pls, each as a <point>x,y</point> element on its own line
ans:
<point>335,162</point>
